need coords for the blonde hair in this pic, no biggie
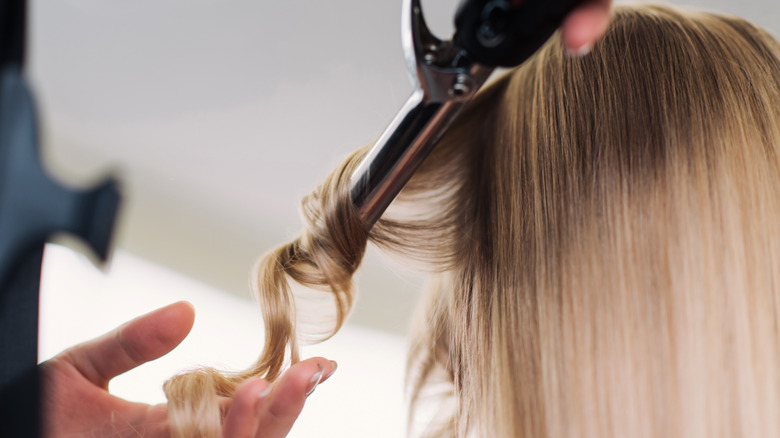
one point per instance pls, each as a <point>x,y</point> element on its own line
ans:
<point>605,238</point>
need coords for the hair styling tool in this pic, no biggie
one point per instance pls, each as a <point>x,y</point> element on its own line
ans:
<point>446,75</point>
<point>32,208</point>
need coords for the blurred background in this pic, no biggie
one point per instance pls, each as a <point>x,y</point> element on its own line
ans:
<point>218,116</point>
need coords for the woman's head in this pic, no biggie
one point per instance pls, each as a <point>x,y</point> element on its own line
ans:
<point>619,241</point>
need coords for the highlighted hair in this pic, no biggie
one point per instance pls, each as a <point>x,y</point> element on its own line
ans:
<point>604,237</point>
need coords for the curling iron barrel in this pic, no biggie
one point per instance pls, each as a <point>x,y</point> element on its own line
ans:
<point>446,75</point>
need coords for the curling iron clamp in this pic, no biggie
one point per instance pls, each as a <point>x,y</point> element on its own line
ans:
<point>446,75</point>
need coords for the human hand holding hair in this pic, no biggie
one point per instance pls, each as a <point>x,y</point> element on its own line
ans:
<point>76,401</point>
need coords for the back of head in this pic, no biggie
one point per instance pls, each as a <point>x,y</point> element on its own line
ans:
<point>614,241</point>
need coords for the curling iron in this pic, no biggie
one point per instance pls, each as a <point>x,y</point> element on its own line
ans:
<point>446,75</point>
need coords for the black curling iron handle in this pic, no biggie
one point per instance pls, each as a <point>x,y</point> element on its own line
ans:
<point>504,33</point>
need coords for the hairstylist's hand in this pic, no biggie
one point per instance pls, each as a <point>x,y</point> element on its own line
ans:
<point>76,401</point>
<point>585,25</point>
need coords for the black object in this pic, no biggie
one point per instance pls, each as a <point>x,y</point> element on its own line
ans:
<point>12,28</point>
<point>32,208</point>
<point>504,33</point>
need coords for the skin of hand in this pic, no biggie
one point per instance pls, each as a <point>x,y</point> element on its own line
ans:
<point>585,25</point>
<point>76,401</point>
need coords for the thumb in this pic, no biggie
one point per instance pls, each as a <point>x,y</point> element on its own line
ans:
<point>141,340</point>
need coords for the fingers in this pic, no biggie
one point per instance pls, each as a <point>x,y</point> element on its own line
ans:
<point>143,339</point>
<point>259,410</point>
<point>243,418</point>
<point>585,25</point>
<point>282,407</point>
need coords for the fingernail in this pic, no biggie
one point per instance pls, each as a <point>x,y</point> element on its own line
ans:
<point>580,52</point>
<point>264,393</point>
<point>314,381</point>
<point>334,366</point>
